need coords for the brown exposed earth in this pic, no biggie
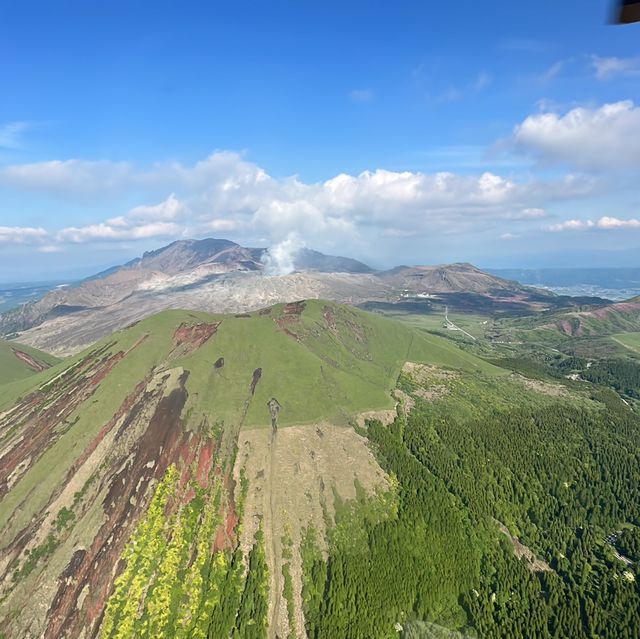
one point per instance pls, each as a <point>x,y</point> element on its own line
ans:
<point>432,382</point>
<point>105,491</point>
<point>190,337</point>
<point>30,361</point>
<point>534,563</point>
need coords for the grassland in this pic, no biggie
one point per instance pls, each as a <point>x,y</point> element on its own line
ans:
<point>175,384</point>
<point>18,361</point>
<point>630,341</point>
<point>472,323</point>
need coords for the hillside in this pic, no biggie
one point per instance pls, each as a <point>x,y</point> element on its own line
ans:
<point>18,361</point>
<point>567,327</point>
<point>174,391</point>
<point>615,318</point>
<point>309,470</point>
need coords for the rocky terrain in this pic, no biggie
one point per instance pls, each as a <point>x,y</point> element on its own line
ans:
<point>220,276</point>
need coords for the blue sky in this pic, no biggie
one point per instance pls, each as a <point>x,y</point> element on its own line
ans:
<point>503,133</point>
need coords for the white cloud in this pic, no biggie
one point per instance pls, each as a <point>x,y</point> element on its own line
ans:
<point>615,223</point>
<point>361,95</point>
<point>603,138</point>
<point>68,178</point>
<point>117,229</point>
<point>604,223</point>
<point>141,222</point>
<point>608,68</point>
<point>21,235</point>
<point>227,195</point>
<point>170,209</point>
<point>11,134</point>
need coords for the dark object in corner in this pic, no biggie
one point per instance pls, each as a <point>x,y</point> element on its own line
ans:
<point>627,11</point>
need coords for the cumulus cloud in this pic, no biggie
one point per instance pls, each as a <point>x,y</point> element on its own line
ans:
<point>604,223</point>
<point>171,209</point>
<point>612,67</point>
<point>21,235</point>
<point>141,222</point>
<point>602,138</point>
<point>117,229</point>
<point>225,194</point>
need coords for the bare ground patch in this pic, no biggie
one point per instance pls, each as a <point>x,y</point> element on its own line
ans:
<point>534,563</point>
<point>433,382</point>
<point>426,374</point>
<point>386,417</point>
<point>544,388</point>
<point>292,474</point>
<point>405,401</point>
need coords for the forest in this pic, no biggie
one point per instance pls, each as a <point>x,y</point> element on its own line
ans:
<point>556,481</point>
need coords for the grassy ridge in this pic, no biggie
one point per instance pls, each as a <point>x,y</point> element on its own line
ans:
<point>12,368</point>
<point>325,374</point>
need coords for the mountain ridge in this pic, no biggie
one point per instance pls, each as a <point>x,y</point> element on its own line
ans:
<point>217,275</point>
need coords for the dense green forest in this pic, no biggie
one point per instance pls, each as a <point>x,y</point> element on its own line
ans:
<point>561,478</point>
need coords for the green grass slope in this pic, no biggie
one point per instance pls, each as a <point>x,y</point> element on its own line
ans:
<point>18,361</point>
<point>85,443</point>
<point>629,340</point>
<point>329,362</point>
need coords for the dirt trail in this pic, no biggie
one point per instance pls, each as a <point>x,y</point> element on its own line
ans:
<point>292,473</point>
<point>275,574</point>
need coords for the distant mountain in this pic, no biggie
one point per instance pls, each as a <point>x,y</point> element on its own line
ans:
<point>216,275</point>
<point>309,260</point>
<point>181,265</point>
<point>455,278</point>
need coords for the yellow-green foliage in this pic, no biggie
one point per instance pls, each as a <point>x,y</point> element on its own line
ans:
<point>172,581</point>
<point>203,576</point>
<point>141,554</point>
